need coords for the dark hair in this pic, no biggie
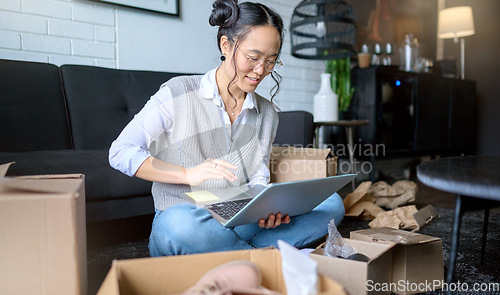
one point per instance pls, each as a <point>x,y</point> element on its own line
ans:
<point>235,21</point>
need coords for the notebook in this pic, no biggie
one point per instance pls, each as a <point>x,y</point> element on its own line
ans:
<point>244,204</point>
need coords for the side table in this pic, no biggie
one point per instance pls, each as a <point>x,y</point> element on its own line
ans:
<point>349,125</point>
<point>471,178</point>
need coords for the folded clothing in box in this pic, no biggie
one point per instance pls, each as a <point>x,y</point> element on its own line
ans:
<point>175,274</point>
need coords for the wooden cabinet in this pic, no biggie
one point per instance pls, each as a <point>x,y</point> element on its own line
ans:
<point>413,113</point>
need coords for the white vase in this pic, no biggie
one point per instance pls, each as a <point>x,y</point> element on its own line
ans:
<point>326,102</point>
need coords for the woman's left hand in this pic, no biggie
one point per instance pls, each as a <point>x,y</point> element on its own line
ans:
<point>273,221</point>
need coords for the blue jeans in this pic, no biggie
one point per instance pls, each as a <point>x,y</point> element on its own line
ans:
<point>187,229</point>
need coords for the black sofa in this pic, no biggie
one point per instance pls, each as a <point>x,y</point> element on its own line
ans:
<point>57,120</point>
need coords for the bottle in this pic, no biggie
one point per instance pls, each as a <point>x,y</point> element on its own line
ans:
<point>414,52</point>
<point>409,53</point>
<point>377,52</point>
<point>326,102</point>
<point>364,48</point>
<point>406,54</point>
<point>387,60</point>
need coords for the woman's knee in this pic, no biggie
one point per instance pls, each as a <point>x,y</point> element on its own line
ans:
<point>334,207</point>
<point>338,204</point>
<point>174,228</point>
<point>179,220</point>
<point>186,229</point>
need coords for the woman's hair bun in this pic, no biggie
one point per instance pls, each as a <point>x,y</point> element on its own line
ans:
<point>224,13</point>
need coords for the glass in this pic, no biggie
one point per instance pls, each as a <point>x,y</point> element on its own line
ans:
<point>377,51</point>
<point>269,65</point>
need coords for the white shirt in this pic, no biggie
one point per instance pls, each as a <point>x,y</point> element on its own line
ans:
<point>131,148</point>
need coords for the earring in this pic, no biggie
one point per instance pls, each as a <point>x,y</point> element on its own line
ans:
<point>222,58</point>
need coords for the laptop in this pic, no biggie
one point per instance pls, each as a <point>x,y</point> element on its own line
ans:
<point>244,204</point>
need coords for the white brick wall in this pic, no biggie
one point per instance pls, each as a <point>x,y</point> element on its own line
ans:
<point>58,32</point>
<point>85,32</point>
<point>301,78</point>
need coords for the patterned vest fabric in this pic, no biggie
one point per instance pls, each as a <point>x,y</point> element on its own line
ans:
<point>198,133</point>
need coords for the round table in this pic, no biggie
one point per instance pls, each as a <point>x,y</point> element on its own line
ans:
<point>474,176</point>
<point>469,177</point>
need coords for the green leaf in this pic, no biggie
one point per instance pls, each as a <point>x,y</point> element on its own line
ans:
<point>340,70</point>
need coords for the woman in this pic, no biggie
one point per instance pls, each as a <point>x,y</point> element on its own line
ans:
<point>213,131</point>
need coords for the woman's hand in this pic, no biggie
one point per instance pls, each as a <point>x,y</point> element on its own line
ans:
<point>210,169</point>
<point>273,221</point>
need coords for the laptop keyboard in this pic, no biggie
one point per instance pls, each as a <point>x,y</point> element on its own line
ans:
<point>229,208</point>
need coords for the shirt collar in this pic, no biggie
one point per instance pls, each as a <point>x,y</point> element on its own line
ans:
<point>209,90</point>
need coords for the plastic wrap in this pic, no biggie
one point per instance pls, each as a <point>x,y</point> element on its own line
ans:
<point>335,245</point>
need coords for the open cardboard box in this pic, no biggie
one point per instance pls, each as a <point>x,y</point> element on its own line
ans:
<point>358,277</point>
<point>42,225</point>
<point>175,274</point>
<point>417,260</point>
<point>292,164</point>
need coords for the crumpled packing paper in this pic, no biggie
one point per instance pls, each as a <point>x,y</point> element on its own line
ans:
<point>399,218</point>
<point>367,200</point>
<point>360,204</point>
<point>393,196</point>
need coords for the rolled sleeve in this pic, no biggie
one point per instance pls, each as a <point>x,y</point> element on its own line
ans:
<point>126,154</point>
<point>131,148</point>
<point>261,176</point>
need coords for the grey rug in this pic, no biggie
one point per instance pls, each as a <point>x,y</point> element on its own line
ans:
<point>467,270</point>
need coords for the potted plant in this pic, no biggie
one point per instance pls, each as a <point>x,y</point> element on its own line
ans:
<point>340,70</point>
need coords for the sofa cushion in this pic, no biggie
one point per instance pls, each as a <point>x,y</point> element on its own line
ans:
<point>32,108</point>
<point>101,181</point>
<point>102,101</point>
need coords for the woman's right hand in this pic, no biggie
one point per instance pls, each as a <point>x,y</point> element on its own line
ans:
<point>210,169</point>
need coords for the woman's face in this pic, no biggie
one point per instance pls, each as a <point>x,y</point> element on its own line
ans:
<point>262,43</point>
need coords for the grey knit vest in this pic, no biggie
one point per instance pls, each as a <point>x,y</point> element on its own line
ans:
<point>198,133</point>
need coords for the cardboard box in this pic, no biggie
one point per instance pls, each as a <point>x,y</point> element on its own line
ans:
<point>356,276</point>
<point>291,164</point>
<point>175,274</point>
<point>417,264</point>
<point>42,225</point>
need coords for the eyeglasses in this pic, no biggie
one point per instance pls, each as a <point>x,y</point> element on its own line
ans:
<point>269,65</point>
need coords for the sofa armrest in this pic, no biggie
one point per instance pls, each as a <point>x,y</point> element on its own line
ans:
<point>296,128</point>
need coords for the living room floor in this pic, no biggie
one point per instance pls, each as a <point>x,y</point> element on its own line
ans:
<point>127,238</point>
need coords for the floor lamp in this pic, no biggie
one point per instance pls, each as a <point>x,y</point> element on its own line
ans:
<point>456,22</point>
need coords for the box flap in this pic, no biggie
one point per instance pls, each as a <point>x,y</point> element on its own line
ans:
<point>425,215</point>
<point>292,153</point>
<point>110,284</point>
<point>371,250</point>
<point>4,168</point>
<point>65,183</point>
<point>390,235</point>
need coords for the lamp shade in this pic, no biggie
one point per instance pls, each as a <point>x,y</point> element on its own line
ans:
<point>455,22</point>
<point>323,29</point>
